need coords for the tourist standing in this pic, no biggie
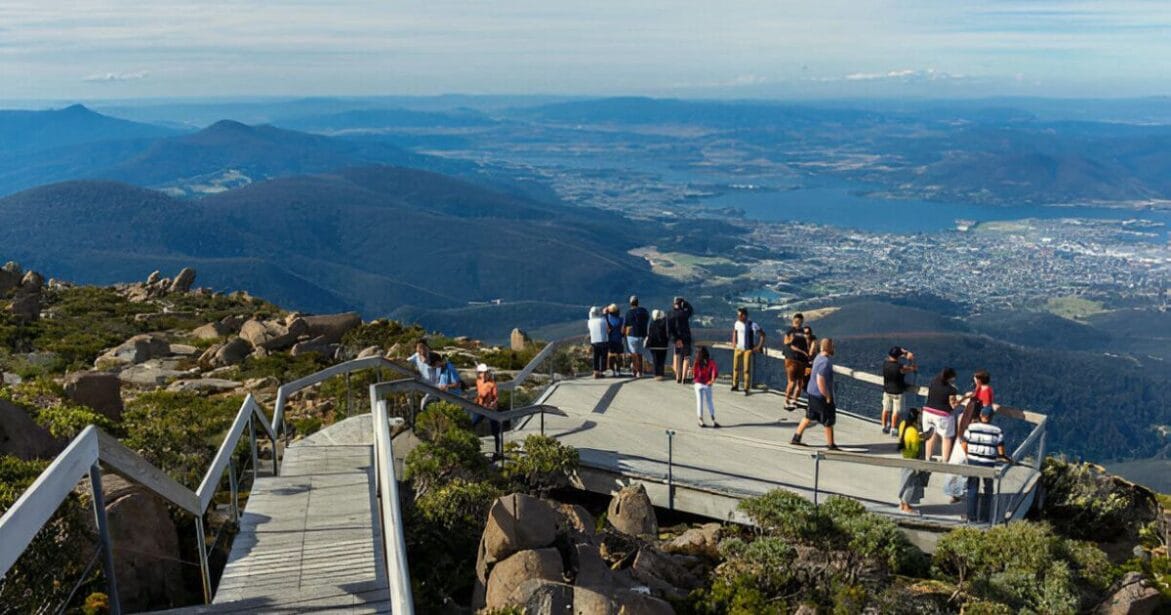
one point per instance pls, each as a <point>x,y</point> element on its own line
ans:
<point>911,482</point>
<point>488,396</point>
<point>705,377</point>
<point>679,329</point>
<point>983,443</point>
<point>446,376</point>
<point>637,322</point>
<point>821,396</point>
<point>599,340</point>
<point>894,386</point>
<point>747,339</point>
<point>614,336</point>
<point>938,417</point>
<point>795,347</point>
<point>982,390</point>
<point>658,341</point>
<point>420,359</point>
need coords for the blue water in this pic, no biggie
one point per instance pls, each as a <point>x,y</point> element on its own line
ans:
<point>843,206</point>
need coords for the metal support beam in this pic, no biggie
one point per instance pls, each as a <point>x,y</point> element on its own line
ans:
<point>99,503</point>
<point>234,490</point>
<point>204,571</point>
<point>670,468</point>
<point>255,452</point>
<point>816,476</point>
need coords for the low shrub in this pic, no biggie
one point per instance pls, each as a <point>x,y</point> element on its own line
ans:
<point>179,432</point>
<point>540,465</point>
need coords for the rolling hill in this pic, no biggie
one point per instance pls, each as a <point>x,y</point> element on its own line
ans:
<point>41,130</point>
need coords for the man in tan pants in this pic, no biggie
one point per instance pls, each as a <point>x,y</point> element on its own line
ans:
<point>747,338</point>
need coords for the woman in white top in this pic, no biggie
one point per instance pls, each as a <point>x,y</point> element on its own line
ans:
<point>599,339</point>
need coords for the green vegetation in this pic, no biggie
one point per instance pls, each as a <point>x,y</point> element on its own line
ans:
<point>1073,307</point>
<point>179,432</point>
<point>1082,501</point>
<point>45,401</point>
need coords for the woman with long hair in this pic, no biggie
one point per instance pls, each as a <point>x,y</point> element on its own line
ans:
<point>705,373</point>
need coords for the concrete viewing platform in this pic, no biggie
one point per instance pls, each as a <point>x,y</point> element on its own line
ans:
<point>619,427</point>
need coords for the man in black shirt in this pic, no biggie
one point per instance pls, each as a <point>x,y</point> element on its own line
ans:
<point>636,323</point>
<point>894,386</point>
<point>796,350</point>
<point>679,328</point>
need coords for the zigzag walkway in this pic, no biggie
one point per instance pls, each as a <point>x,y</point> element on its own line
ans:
<point>308,538</point>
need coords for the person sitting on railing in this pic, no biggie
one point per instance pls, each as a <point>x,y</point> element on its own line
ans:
<point>983,443</point>
<point>658,341</point>
<point>421,359</point>
<point>599,340</point>
<point>489,397</point>
<point>911,482</point>
<point>938,417</point>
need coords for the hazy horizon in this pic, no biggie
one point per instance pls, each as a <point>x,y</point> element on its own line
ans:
<point>101,50</point>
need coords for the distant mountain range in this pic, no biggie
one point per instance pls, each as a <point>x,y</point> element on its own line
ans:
<point>373,238</point>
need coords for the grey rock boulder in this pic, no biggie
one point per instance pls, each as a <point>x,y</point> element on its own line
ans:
<point>518,522</point>
<point>1133,595</point>
<point>182,282</point>
<point>21,437</point>
<point>631,512</point>
<point>138,349</point>
<point>519,567</point>
<point>101,391</point>
<point>332,327</point>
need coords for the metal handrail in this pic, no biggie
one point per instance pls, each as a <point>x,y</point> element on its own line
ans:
<point>393,541</point>
<point>546,353</point>
<point>85,455</point>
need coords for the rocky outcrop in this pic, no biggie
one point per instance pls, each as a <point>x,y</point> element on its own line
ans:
<point>703,541</point>
<point>1133,595</point>
<point>518,340</point>
<point>631,512</point>
<point>151,373</point>
<point>9,277</point>
<point>370,351</point>
<point>318,345</point>
<point>227,354</point>
<point>21,437</point>
<point>332,327</point>
<point>273,335</point>
<point>26,293</point>
<point>182,282</point>
<point>517,522</point>
<point>148,569</point>
<point>101,391</point>
<point>203,385</point>
<point>211,331</point>
<point>519,567</point>
<point>138,349</point>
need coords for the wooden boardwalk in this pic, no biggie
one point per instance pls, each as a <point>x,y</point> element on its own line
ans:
<point>619,427</point>
<point>308,539</point>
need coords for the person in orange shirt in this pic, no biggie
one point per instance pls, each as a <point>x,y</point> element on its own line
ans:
<point>488,397</point>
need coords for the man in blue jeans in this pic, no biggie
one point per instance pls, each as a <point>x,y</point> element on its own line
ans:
<point>983,443</point>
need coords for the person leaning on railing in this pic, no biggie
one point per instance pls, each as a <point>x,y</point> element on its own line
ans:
<point>983,443</point>
<point>657,342</point>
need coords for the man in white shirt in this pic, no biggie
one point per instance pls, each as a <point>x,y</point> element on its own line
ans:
<point>747,339</point>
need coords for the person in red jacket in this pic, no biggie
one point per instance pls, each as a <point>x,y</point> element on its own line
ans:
<point>705,373</point>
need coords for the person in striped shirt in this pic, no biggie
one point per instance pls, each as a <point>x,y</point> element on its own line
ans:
<point>983,443</point>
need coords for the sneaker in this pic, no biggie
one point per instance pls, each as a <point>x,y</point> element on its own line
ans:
<point>885,430</point>
<point>702,424</point>
<point>796,440</point>
<point>715,424</point>
<point>832,447</point>
<point>735,388</point>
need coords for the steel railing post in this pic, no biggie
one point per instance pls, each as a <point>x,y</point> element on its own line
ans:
<point>997,516</point>
<point>233,490</point>
<point>671,469</point>
<point>816,476</point>
<point>204,571</point>
<point>349,396</point>
<point>255,452</point>
<point>99,503</point>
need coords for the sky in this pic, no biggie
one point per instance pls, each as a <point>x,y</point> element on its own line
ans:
<point>101,49</point>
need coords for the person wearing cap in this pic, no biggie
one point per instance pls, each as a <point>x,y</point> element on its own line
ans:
<point>487,396</point>
<point>599,340</point>
<point>747,339</point>
<point>616,348</point>
<point>894,386</point>
<point>657,342</point>
<point>679,328</point>
<point>983,443</point>
<point>636,323</point>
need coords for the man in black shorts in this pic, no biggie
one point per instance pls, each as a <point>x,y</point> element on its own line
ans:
<point>821,397</point>
<point>796,350</point>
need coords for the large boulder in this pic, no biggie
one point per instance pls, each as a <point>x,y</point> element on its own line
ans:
<point>662,573</point>
<point>508,574</point>
<point>703,541</point>
<point>8,280</point>
<point>182,282</point>
<point>230,353</point>
<point>631,513</point>
<point>518,522</point>
<point>578,521</point>
<point>150,374</point>
<point>101,391</point>
<point>270,335</point>
<point>21,437</point>
<point>32,282</point>
<point>370,351</point>
<point>592,570</point>
<point>138,349</point>
<point>518,340</point>
<point>318,345</point>
<point>26,306</point>
<point>203,385</point>
<point>539,596</point>
<point>1133,595</point>
<point>211,331</point>
<point>332,327</point>
<point>146,546</point>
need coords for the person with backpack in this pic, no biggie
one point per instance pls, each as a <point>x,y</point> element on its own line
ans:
<point>705,375</point>
<point>747,339</point>
<point>911,482</point>
<point>657,342</point>
<point>894,386</point>
<point>636,323</point>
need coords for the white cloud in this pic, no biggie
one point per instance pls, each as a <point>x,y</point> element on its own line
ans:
<point>116,77</point>
<point>904,74</point>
